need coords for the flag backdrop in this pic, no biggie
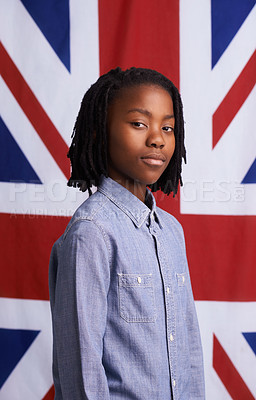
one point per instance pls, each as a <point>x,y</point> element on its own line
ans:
<point>51,51</point>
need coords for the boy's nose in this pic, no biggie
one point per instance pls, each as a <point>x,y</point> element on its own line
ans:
<point>156,140</point>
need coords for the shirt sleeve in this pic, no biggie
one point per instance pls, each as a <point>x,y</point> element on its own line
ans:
<point>79,282</point>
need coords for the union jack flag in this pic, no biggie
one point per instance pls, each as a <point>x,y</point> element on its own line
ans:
<point>51,52</point>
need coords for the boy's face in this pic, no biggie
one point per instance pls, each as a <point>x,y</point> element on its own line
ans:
<point>141,137</point>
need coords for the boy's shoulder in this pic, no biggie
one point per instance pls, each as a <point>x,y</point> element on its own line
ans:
<point>91,207</point>
<point>91,210</point>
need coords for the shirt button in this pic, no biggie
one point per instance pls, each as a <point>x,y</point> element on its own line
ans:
<point>174,383</point>
<point>139,279</point>
<point>171,338</point>
<point>168,290</point>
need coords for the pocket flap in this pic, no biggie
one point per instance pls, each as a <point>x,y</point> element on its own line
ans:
<point>127,280</point>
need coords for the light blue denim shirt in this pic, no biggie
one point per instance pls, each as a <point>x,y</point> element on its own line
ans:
<point>124,320</point>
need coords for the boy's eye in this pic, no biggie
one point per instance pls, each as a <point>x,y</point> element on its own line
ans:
<point>168,128</point>
<point>137,124</point>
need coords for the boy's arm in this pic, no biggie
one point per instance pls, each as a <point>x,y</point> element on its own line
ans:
<point>79,282</point>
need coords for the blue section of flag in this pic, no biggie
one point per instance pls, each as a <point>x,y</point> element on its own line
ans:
<point>227,18</point>
<point>13,345</point>
<point>251,340</point>
<point>13,164</point>
<point>250,177</point>
<point>52,18</point>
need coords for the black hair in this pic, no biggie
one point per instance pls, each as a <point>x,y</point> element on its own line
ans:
<point>88,150</point>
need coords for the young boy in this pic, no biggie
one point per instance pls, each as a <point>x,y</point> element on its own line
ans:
<point>124,320</point>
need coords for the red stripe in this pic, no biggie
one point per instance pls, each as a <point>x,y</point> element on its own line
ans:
<point>140,34</point>
<point>215,259</point>
<point>26,242</point>
<point>228,374</point>
<point>34,111</point>
<point>221,254</point>
<point>234,100</point>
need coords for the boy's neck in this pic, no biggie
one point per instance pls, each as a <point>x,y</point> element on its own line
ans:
<point>137,189</point>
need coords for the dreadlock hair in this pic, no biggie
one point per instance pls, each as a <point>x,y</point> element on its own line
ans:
<point>88,150</point>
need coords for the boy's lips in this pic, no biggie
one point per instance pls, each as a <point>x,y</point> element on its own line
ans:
<point>154,159</point>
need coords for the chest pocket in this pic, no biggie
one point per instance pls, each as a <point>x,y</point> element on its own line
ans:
<point>136,297</point>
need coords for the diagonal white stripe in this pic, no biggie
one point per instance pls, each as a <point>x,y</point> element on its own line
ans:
<point>227,320</point>
<point>58,91</point>
<point>232,62</point>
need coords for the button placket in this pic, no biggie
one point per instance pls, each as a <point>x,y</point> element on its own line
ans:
<point>170,321</point>
<point>169,305</point>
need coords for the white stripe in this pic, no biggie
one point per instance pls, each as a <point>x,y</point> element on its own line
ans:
<point>27,138</point>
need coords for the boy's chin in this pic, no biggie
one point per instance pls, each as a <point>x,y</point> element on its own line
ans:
<point>149,182</point>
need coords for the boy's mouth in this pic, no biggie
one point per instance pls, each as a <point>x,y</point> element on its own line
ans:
<point>154,159</point>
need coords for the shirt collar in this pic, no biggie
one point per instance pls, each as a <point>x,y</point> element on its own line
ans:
<point>127,202</point>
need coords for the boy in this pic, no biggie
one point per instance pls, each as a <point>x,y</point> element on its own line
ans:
<point>124,320</point>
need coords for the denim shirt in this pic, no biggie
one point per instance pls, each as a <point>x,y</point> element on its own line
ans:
<point>124,320</point>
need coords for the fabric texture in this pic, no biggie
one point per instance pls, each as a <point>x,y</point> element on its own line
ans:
<point>124,320</point>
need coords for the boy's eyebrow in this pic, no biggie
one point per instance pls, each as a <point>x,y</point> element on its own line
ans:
<point>141,111</point>
<point>147,113</point>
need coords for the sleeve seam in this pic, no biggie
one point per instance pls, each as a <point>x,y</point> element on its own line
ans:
<point>103,233</point>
